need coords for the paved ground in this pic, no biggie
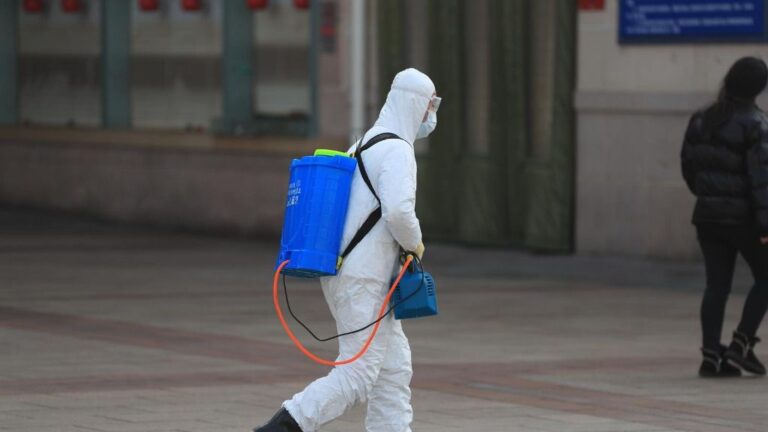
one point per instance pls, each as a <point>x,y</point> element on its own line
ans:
<point>106,328</point>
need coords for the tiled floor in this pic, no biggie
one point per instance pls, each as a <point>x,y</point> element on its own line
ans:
<point>106,328</point>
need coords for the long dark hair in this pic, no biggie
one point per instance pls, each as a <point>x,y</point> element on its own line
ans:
<point>743,82</point>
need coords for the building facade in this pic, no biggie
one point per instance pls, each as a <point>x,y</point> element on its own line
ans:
<point>553,135</point>
<point>633,102</point>
<point>224,66</point>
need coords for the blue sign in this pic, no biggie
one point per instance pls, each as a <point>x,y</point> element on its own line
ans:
<point>644,21</point>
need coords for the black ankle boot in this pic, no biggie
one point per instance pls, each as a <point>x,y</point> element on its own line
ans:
<point>742,353</point>
<point>715,366</point>
<point>281,422</point>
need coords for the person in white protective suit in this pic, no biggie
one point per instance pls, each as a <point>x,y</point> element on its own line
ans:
<point>382,376</point>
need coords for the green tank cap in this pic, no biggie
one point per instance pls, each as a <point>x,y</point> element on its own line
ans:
<point>326,152</point>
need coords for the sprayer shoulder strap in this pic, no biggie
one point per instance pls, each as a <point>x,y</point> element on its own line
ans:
<point>375,215</point>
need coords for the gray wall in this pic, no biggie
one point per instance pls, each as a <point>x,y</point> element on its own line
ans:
<point>209,190</point>
<point>631,199</point>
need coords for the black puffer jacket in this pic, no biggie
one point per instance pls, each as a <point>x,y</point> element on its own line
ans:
<point>727,169</point>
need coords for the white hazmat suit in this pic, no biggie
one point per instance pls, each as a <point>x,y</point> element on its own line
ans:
<point>382,376</point>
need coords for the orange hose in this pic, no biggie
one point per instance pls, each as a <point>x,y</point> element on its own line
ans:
<point>367,344</point>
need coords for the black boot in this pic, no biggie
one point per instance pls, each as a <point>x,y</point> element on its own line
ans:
<point>715,366</point>
<point>281,422</point>
<point>742,353</point>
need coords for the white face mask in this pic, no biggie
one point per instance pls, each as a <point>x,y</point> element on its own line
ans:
<point>427,126</point>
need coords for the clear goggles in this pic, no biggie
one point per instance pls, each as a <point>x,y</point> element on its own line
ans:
<point>434,104</point>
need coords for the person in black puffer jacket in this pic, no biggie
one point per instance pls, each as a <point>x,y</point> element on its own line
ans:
<point>725,164</point>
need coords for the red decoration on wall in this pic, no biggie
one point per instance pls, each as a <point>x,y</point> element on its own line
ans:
<point>33,6</point>
<point>328,20</point>
<point>191,5</point>
<point>591,4</point>
<point>71,6</point>
<point>149,5</point>
<point>301,4</point>
<point>257,4</point>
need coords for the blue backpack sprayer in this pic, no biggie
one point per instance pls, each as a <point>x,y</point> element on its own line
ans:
<point>316,208</point>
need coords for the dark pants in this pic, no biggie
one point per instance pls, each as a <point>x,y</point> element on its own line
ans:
<point>721,244</point>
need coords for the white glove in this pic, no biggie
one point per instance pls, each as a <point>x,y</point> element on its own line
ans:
<point>419,250</point>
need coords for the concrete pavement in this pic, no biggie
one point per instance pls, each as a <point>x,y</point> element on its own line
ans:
<point>114,328</point>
